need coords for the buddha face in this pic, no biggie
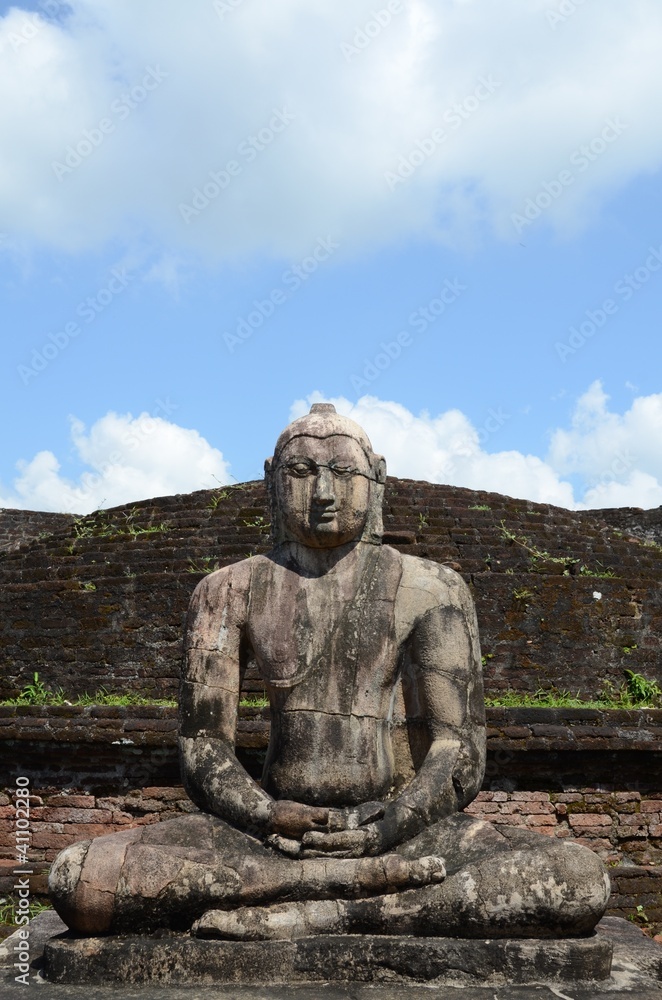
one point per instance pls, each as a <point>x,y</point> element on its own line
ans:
<point>323,490</point>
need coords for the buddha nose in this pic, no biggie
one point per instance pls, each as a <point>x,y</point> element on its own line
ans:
<point>324,492</point>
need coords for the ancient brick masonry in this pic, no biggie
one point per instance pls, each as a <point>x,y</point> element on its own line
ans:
<point>20,526</point>
<point>635,522</point>
<point>614,824</point>
<point>563,598</point>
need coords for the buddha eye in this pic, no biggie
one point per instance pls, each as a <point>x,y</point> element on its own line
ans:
<point>342,470</point>
<point>301,469</point>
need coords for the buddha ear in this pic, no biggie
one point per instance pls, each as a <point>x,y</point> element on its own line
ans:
<point>374,525</point>
<point>276,527</point>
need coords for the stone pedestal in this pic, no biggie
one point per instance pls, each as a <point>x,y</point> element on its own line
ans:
<point>182,959</point>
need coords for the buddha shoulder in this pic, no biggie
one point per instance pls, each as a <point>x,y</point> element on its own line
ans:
<point>425,585</point>
<point>221,596</point>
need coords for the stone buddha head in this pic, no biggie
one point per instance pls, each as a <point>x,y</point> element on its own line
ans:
<point>325,483</point>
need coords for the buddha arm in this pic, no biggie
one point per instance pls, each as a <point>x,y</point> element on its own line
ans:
<point>209,700</point>
<point>445,689</point>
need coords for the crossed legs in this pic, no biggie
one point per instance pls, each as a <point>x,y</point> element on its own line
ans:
<point>231,885</point>
<point>516,885</point>
<point>149,877</point>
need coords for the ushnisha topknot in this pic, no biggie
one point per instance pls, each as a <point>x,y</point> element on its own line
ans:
<point>323,421</point>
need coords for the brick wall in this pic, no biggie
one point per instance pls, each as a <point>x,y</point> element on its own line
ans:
<point>59,818</point>
<point>644,524</point>
<point>103,602</point>
<point>18,527</point>
<point>616,825</point>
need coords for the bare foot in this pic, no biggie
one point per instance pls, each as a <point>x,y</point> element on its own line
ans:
<point>287,921</point>
<point>282,922</point>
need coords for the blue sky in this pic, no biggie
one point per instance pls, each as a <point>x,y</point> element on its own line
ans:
<point>446,217</point>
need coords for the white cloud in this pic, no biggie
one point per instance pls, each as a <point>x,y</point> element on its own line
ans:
<point>597,436</point>
<point>640,489</point>
<point>618,457</point>
<point>217,80</point>
<point>127,458</point>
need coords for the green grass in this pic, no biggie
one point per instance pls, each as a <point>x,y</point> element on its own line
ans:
<point>99,525</point>
<point>540,556</point>
<point>222,494</point>
<point>207,564</point>
<point>9,909</point>
<point>480,506</point>
<point>635,692</point>
<point>523,594</point>
<point>258,522</point>
<point>36,693</point>
<point>600,572</point>
<point>639,687</point>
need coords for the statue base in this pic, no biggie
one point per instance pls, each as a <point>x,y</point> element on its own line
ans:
<point>182,959</point>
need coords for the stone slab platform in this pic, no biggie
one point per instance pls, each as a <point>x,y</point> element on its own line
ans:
<point>636,975</point>
<point>180,959</point>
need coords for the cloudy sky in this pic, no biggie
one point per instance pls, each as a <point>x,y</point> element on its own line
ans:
<point>443,216</point>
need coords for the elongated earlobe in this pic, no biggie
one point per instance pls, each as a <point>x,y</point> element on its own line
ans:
<point>374,525</point>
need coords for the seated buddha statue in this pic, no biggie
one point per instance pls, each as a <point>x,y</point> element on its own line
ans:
<point>331,840</point>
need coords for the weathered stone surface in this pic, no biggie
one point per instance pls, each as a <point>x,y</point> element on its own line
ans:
<point>46,926</point>
<point>334,840</point>
<point>328,958</point>
<point>634,947</point>
<point>628,978</point>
